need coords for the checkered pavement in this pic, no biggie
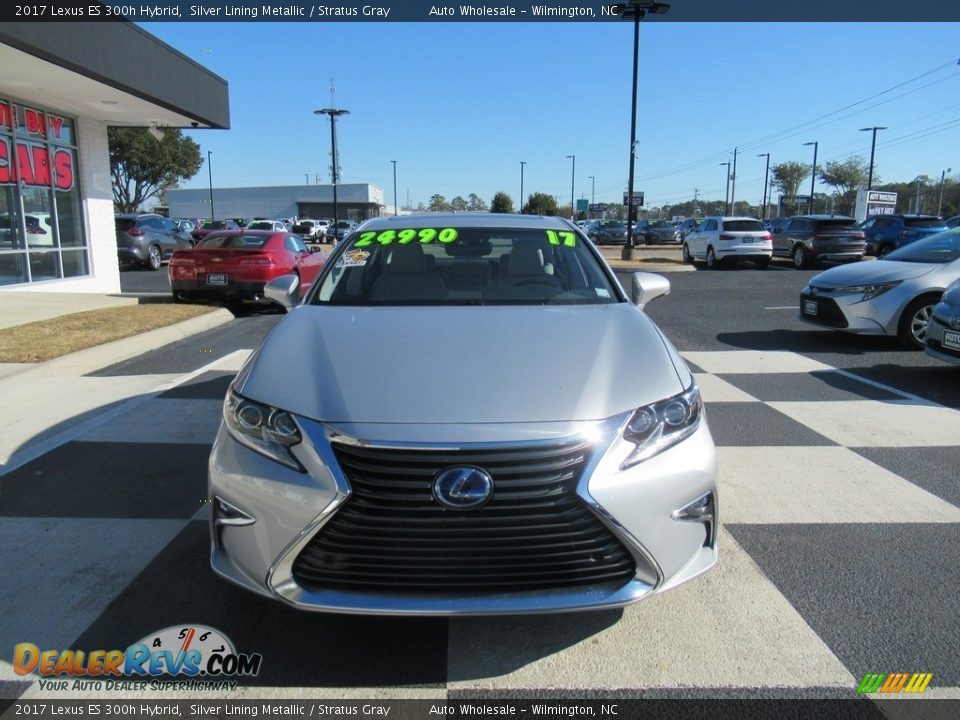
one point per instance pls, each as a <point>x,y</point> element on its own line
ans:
<point>840,507</point>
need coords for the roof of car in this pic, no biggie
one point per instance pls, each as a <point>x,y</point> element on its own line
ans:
<point>822,217</point>
<point>478,220</point>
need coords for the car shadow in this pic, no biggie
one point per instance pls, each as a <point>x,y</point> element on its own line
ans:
<point>810,341</point>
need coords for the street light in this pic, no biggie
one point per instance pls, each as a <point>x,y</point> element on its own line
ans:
<point>726,196</point>
<point>210,178</point>
<point>813,175</point>
<point>522,163</point>
<point>873,146</point>
<point>940,204</point>
<point>334,113</point>
<point>396,212</point>
<point>635,10</point>
<point>573,175</point>
<point>766,175</point>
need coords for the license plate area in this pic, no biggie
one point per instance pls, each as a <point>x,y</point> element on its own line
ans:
<point>951,340</point>
<point>810,307</point>
<point>217,279</point>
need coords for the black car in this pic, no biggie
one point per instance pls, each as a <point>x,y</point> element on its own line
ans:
<point>660,231</point>
<point>147,240</point>
<point>607,232</point>
<point>808,239</point>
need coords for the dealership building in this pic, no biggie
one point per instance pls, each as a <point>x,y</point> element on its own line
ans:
<point>355,202</point>
<point>62,86</point>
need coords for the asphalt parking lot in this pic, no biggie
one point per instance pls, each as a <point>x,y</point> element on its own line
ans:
<point>838,502</point>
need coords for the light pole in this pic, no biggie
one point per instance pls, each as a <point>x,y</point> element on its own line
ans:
<point>395,209</point>
<point>766,175</point>
<point>943,175</point>
<point>873,147</point>
<point>635,10</point>
<point>210,179</point>
<point>334,113</point>
<point>813,175</point>
<point>573,175</point>
<point>522,163</point>
<point>726,196</point>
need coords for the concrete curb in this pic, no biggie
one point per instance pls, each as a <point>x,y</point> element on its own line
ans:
<point>86,361</point>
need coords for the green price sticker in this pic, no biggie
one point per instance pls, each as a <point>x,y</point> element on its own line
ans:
<point>404,237</point>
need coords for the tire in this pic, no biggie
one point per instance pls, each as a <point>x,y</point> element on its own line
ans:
<point>154,257</point>
<point>763,263</point>
<point>712,262</point>
<point>687,257</point>
<point>191,244</point>
<point>885,250</point>
<point>912,328</point>
<point>799,256</point>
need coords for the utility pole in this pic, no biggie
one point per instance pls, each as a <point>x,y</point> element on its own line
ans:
<point>943,175</point>
<point>733,184</point>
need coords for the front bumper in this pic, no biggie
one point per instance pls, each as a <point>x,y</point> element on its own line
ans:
<point>943,341</point>
<point>637,506</point>
<point>848,312</point>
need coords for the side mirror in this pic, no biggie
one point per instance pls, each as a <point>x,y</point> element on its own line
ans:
<point>283,290</point>
<point>645,287</point>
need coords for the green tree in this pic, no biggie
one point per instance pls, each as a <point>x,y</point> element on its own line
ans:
<point>438,203</point>
<point>541,204</point>
<point>845,178</point>
<point>458,204</point>
<point>787,176</point>
<point>501,203</point>
<point>142,167</point>
<point>475,203</point>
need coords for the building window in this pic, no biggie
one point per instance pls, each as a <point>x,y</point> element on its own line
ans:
<point>41,222</point>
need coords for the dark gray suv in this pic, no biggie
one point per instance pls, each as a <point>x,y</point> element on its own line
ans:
<point>147,240</point>
<point>808,239</point>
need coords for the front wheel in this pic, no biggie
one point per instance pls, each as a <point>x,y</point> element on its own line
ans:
<point>687,257</point>
<point>884,250</point>
<point>912,328</point>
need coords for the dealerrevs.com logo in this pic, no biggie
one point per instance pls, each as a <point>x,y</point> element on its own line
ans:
<point>185,652</point>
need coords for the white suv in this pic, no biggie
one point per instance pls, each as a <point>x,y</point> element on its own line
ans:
<point>717,239</point>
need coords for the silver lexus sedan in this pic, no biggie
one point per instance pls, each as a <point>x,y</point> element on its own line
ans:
<point>466,415</point>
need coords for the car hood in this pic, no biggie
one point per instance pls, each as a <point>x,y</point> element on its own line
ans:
<point>461,364</point>
<point>871,271</point>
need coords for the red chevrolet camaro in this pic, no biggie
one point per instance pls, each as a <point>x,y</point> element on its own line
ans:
<point>233,267</point>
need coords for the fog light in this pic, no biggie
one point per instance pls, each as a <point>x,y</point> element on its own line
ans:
<point>226,514</point>
<point>702,510</point>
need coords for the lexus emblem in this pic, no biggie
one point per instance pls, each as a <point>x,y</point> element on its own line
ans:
<point>463,487</point>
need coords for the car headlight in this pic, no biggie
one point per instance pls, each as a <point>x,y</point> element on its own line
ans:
<point>660,425</point>
<point>264,429</point>
<point>869,291</point>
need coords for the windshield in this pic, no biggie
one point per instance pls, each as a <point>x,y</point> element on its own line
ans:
<point>837,225</point>
<point>464,266</point>
<point>263,225</point>
<point>661,224</point>
<point>215,225</point>
<point>923,222</point>
<point>940,248</point>
<point>216,242</point>
<point>612,225</point>
<point>744,225</point>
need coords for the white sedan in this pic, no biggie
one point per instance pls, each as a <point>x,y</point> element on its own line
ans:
<point>718,239</point>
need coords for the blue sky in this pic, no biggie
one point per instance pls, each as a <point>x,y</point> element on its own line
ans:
<point>459,105</point>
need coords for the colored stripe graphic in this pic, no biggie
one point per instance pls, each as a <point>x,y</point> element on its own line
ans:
<point>894,683</point>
